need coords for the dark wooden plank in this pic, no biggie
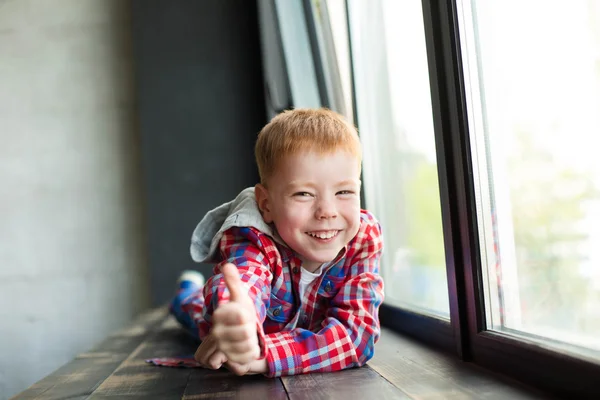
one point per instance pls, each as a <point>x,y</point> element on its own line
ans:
<point>355,383</point>
<point>136,379</point>
<point>82,375</point>
<point>427,373</point>
<point>402,368</point>
<point>222,384</point>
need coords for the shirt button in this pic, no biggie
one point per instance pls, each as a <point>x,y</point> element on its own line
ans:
<point>328,287</point>
<point>304,319</point>
<point>276,312</point>
<point>295,270</point>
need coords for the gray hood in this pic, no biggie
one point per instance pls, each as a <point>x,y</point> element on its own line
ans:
<point>241,212</point>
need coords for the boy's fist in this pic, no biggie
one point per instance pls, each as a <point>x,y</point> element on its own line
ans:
<point>208,355</point>
<point>234,323</point>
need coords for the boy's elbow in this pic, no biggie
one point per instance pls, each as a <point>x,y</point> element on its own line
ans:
<point>368,350</point>
<point>365,357</point>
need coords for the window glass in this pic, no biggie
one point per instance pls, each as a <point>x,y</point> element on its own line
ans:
<point>298,57</point>
<point>533,85</point>
<point>332,36</point>
<point>400,172</point>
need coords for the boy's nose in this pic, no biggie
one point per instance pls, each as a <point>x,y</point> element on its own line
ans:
<point>325,210</point>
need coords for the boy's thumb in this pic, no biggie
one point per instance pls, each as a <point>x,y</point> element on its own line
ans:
<point>232,281</point>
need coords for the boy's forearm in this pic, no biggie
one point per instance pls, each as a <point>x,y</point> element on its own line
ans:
<point>215,294</point>
<point>347,337</point>
<point>332,349</point>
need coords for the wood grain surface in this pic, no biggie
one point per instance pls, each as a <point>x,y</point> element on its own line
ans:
<point>401,369</point>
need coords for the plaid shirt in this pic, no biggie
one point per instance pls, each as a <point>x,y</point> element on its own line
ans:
<point>335,327</point>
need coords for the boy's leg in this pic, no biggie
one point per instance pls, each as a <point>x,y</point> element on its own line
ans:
<point>187,298</point>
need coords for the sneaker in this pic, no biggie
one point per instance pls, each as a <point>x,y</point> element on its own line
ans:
<point>190,278</point>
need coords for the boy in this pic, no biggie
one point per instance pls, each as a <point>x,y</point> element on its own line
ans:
<point>296,288</point>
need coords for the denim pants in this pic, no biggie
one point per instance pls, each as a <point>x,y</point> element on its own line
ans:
<point>189,296</point>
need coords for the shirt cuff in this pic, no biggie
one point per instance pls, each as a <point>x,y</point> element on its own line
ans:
<point>282,358</point>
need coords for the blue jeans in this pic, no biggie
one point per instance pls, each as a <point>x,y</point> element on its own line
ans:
<point>187,293</point>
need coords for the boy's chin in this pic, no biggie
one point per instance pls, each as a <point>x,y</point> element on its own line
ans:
<point>317,257</point>
<point>321,258</point>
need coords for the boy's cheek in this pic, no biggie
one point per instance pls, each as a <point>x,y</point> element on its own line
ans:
<point>296,216</point>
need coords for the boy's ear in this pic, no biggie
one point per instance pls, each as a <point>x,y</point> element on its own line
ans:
<point>262,199</point>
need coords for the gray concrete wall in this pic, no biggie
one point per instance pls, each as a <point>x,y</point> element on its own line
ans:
<point>72,254</point>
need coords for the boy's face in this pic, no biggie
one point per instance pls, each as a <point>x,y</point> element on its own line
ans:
<point>314,202</point>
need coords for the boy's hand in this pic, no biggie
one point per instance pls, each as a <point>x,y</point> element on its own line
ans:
<point>234,323</point>
<point>208,355</point>
<point>212,358</point>
<point>251,368</point>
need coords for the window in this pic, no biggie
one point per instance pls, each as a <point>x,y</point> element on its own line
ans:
<point>479,122</point>
<point>393,106</point>
<point>329,37</point>
<point>533,97</point>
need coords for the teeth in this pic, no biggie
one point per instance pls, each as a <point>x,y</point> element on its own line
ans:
<point>323,235</point>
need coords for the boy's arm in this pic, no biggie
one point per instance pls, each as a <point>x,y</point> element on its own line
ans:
<point>233,340</point>
<point>351,326</point>
<point>243,248</point>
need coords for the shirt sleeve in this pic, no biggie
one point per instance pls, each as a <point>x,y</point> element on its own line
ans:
<point>351,327</point>
<point>243,248</point>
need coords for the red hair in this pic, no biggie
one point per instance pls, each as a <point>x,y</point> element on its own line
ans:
<point>303,129</point>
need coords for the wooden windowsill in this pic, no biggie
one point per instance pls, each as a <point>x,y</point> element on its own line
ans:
<point>400,369</point>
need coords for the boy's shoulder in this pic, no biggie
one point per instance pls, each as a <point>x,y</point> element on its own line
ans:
<point>367,217</point>
<point>369,233</point>
<point>369,224</point>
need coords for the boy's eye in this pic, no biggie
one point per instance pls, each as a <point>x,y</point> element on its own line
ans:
<point>345,192</point>
<point>302,194</point>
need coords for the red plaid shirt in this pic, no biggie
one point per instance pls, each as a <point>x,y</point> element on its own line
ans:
<point>337,325</point>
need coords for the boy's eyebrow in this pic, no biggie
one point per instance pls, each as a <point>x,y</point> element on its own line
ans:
<point>345,182</point>
<point>292,184</point>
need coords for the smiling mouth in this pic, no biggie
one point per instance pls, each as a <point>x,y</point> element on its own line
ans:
<point>323,235</point>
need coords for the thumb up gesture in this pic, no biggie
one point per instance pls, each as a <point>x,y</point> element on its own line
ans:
<point>234,323</point>
<point>233,340</point>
